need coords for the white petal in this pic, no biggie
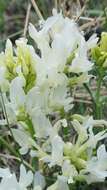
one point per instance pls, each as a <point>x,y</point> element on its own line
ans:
<point>25,177</point>
<point>39,180</point>
<point>57,151</point>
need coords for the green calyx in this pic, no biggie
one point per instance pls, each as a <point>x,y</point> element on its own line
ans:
<point>99,53</point>
<point>21,63</point>
<point>72,152</point>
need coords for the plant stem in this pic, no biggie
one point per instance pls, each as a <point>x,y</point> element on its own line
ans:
<point>17,153</point>
<point>5,113</point>
<point>98,110</point>
<point>37,9</point>
<point>6,144</point>
<point>27,20</point>
<point>90,92</point>
<point>92,97</point>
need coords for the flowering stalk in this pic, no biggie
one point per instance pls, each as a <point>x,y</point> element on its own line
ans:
<point>38,90</point>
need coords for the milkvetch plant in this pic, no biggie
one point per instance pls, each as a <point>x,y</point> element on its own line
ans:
<point>36,87</point>
<point>99,56</point>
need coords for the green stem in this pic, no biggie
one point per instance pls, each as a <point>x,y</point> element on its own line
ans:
<point>90,92</point>
<point>92,97</point>
<point>5,113</point>
<point>6,144</point>
<point>97,105</point>
<point>98,110</point>
<point>17,153</point>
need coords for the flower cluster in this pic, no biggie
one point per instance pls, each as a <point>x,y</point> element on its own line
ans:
<point>99,53</point>
<point>35,86</point>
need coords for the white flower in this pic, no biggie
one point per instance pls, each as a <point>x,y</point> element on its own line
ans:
<point>17,94</point>
<point>53,24</point>
<point>69,171</point>
<point>86,134</point>
<point>41,40</point>
<point>59,98</point>
<point>96,170</point>
<point>60,184</point>
<point>81,131</point>
<point>33,99</point>
<point>94,139</point>
<point>10,182</point>
<point>37,188</point>
<point>37,99</point>
<point>9,110</point>
<point>56,157</point>
<point>16,101</point>
<point>62,47</point>
<point>4,173</point>
<point>4,84</point>
<point>39,180</point>
<point>49,68</point>
<point>57,151</point>
<point>9,51</point>
<point>41,123</point>
<point>80,64</point>
<point>92,42</point>
<point>48,100</point>
<point>22,137</point>
<point>65,39</point>
<point>25,177</point>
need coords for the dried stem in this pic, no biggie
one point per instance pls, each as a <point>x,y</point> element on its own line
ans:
<point>83,101</point>
<point>82,10</point>
<point>27,20</point>
<point>56,4</point>
<point>88,24</point>
<point>37,9</point>
<point>6,156</point>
